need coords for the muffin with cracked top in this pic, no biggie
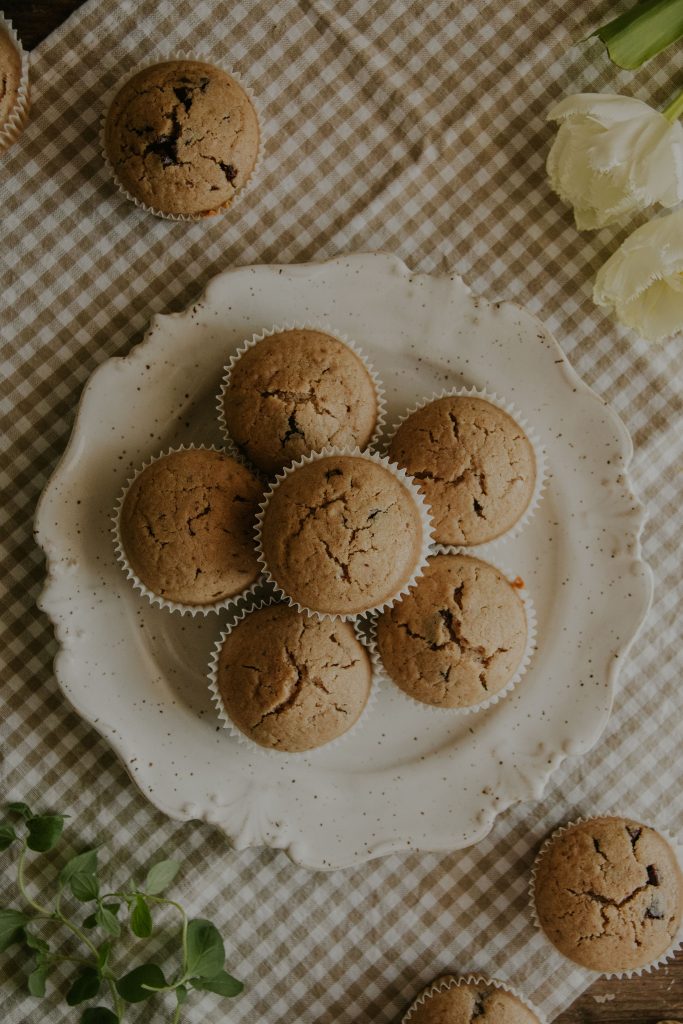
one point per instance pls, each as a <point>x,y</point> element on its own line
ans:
<point>474,464</point>
<point>292,682</point>
<point>343,534</point>
<point>608,893</point>
<point>458,637</point>
<point>186,527</point>
<point>450,1000</point>
<point>182,138</point>
<point>295,392</point>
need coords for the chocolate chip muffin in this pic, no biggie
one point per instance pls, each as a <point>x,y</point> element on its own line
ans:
<point>186,526</point>
<point>296,392</point>
<point>609,894</point>
<point>475,466</point>
<point>292,682</point>
<point>10,76</point>
<point>458,637</point>
<point>448,1001</point>
<point>342,534</point>
<point>182,138</point>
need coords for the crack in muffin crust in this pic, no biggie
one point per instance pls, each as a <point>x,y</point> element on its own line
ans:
<point>341,534</point>
<point>475,466</point>
<point>291,682</point>
<point>458,637</point>
<point>608,894</point>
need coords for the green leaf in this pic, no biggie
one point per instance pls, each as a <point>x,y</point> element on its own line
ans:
<point>23,810</point>
<point>181,994</point>
<point>141,919</point>
<point>205,951</point>
<point>642,32</point>
<point>86,986</point>
<point>7,837</point>
<point>35,942</point>
<point>113,908</point>
<point>160,876</point>
<point>107,920</point>
<point>99,1015</point>
<point>90,921</point>
<point>103,955</point>
<point>84,887</point>
<point>222,984</point>
<point>83,864</point>
<point>11,923</point>
<point>36,980</point>
<point>44,831</point>
<point>132,985</point>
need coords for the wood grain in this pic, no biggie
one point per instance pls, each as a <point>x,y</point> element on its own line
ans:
<point>645,1000</point>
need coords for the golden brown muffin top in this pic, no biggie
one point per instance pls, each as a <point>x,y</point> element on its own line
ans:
<point>182,137</point>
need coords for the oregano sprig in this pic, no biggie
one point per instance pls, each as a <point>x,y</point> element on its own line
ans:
<point>95,970</point>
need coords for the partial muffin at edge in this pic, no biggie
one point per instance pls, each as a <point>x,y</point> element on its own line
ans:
<point>479,1001</point>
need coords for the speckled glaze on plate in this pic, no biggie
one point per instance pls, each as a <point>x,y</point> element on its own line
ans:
<point>137,673</point>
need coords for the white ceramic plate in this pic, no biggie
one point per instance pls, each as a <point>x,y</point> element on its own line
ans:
<point>407,779</point>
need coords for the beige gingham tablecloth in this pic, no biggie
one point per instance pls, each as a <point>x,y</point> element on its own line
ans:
<point>416,128</point>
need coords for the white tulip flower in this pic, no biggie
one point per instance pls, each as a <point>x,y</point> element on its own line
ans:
<point>613,156</point>
<point>643,281</point>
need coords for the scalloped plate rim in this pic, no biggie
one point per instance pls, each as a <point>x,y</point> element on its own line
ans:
<point>295,848</point>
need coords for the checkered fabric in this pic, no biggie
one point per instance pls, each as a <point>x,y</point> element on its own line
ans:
<point>413,128</point>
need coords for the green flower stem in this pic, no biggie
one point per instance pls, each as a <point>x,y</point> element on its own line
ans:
<point>675,108</point>
<point>642,32</point>
<point>43,911</point>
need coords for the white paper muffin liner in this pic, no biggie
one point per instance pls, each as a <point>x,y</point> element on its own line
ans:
<point>163,58</point>
<point>539,455</point>
<point>449,981</point>
<point>156,599</point>
<point>400,475</point>
<point>324,328</point>
<point>367,632</point>
<point>633,972</point>
<point>252,605</point>
<point>14,125</point>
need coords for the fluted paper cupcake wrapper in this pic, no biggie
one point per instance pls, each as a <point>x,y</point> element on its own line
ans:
<point>449,981</point>
<point>539,455</point>
<point>252,605</point>
<point>203,59</point>
<point>324,328</point>
<point>406,481</point>
<point>632,972</point>
<point>122,559</point>
<point>367,633</point>
<point>15,123</point>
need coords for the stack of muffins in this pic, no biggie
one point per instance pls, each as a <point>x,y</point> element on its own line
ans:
<point>340,564</point>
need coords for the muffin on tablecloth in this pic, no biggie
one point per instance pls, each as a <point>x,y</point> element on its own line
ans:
<point>185,528</point>
<point>289,681</point>
<point>182,138</point>
<point>342,533</point>
<point>459,638</point>
<point>474,463</point>
<point>294,391</point>
<point>451,1000</point>
<point>14,98</point>
<point>608,893</point>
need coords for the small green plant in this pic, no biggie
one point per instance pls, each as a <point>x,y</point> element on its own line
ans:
<point>203,954</point>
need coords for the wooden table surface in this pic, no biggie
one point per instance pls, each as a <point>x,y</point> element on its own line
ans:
<point>646,1000</point>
